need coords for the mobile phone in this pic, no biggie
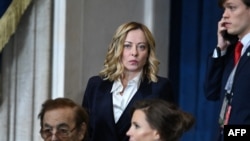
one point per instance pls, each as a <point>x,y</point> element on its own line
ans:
<point>229,37</point>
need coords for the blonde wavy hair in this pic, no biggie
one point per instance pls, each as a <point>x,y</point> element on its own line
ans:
<point>113,67</point>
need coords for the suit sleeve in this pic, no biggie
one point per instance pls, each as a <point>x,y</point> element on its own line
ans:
<point>165,89</point>
<point>87,103</point>
<point>88,96</point>
<point>213,78</point>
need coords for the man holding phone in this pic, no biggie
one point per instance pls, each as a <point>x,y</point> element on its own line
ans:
<point>228,79</point>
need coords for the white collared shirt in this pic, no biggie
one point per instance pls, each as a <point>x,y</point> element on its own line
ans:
<point>120,102</point>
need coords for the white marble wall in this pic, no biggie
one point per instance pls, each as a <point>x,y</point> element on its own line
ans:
<point>58,45</point>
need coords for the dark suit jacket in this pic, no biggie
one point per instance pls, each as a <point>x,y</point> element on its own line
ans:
<point>218,72</point>
<point>98,102</point>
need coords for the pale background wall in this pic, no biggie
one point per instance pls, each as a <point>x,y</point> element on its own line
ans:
<point>59,44</point>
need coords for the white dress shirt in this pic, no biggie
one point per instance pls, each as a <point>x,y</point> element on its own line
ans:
<point>120,102</point>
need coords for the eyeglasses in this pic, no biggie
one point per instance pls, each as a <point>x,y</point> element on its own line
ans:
<point>60,132</point>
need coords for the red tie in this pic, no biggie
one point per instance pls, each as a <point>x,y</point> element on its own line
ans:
<point>237,52</point>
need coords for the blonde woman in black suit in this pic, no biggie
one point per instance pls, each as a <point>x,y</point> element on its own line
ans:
<point>129,74</point>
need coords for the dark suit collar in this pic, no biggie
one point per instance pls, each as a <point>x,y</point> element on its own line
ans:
<point>104,99</point>
<point>123,125</point>
<point>142,92</point>
<point>243,59</point>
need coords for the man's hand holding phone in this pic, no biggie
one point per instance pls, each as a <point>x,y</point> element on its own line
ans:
<point>222,35</point>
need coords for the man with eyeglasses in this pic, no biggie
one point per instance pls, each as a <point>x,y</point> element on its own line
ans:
<point>61,119</point>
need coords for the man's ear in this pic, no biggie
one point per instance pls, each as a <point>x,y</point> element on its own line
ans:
<point>82,132</point>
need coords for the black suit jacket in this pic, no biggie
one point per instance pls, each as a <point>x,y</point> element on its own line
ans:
<point>218,72</point>
<point>98,102</point>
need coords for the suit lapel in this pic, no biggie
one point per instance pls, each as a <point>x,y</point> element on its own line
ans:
<point>243,60</point>
<point>104,100</point>
<point>142,92</point>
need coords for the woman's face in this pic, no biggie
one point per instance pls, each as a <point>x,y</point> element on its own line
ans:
<point>135,51</point>
<point>140,129</point>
